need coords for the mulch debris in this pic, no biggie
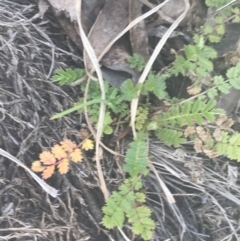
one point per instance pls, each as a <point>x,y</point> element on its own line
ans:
<point>34,44</point>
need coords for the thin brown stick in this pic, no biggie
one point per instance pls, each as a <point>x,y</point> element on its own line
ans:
<point>158,48</point>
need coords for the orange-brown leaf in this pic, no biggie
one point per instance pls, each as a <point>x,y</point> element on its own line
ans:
<point>47,158</point>
<point>37,166</point>
<point>189,131</point>
<point>59,152</point>
<point>210,153</point>
<point>63,166</point>
<point>68,145</point>
<point>224,122</point>
<point>203,134</point>
<point>217,134</point>
<point>76,155</point>
<point>198,145</point>
<point>48,172</point>
<point>87,145</point>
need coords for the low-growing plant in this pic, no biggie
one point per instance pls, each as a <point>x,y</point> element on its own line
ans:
<point>175,122</point>
<point>128,202</point>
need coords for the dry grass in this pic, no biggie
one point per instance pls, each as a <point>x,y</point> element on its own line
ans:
<point>206,207</point>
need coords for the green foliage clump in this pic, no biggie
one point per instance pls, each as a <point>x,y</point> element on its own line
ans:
<point>117,99</point>
<point>129,90</point>
<point>189,113</point>
<point>156,84</point>
<point>170,137</point>
<point>196,62</point>
<point>127,204</point>
<point>137,62</point>
<point>142,116</point>
<point>115,104</point>
<point>215,31</point>
<point>67,76</point>
<point>229,145</point>
<point>222,85</point>
<point>174,123</point>
<point>167,126</point>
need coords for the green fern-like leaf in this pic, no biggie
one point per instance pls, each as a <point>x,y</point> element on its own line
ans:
<point>128,203</point>
<point>141,222</point>
<point>219,19</point>
<point>214,38</point>
<point>207,29</point>
<point>233,75</point>
<point>107,129</point>
<point>221,85</point>
<point>199,40</point>
<point>197,63</point>
<point>67,76</point>
<point>229,146</point>
<point>191,51</point>
<point>121,202</point>
<point>189,113</point>
<point>142,116</point>
<point>156,85</point>
<point>137,158</point>
<point>212,93</point>
<point>115,219</point>
<point>221,29</point>
<point>140,197</point>
<point>137,61</point>
<point>116,104</point>
<point>170,137</point>
<point>129,90</point>
<point>233,149</point>
<point>108,222</point>
<point>179,66</point>
<point>236,19</point>
<point>94,114</point>
<point>114,213</point>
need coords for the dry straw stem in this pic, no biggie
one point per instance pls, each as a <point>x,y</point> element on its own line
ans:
<point>134,103</point>
<point>215,184</point>
<point>92,56</point>
<point>89,50</point>
<point>88,78</point>
<point>96,66</point>
<point>89,122</point>
<point>160,13</point>
<point>129,26</point>
<point>227,5</point>
<point>165,189</point>
<point>50,190</point>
